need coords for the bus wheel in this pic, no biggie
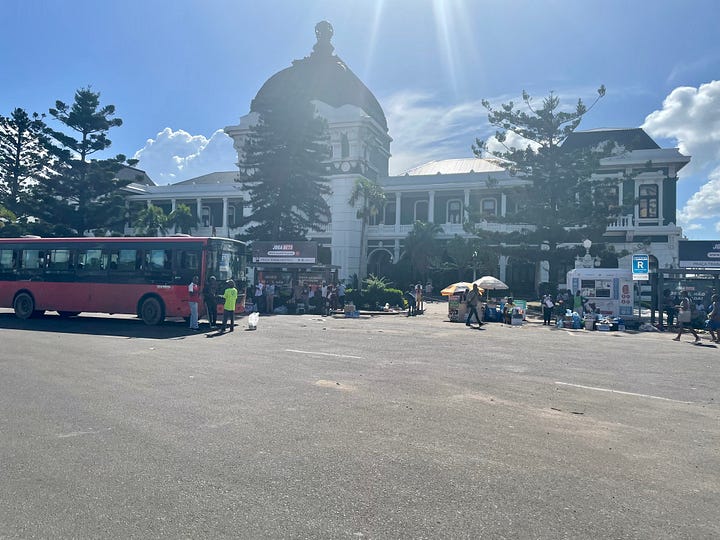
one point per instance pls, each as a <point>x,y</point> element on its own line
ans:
<point>151,311</point>
<point>66,314</point>
<point>24,306</point>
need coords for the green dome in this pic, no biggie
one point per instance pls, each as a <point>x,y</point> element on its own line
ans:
<point>321,76</point>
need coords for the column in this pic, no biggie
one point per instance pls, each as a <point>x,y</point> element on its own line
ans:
<point>503,204</point>
<point>398,195</point>
<point>173,202</point>
<point>225,223</point>
<point>198,207</point>
<point>431,207</point>
<point>466,200</point>
<point>396,251</point>
<point>502,262</point>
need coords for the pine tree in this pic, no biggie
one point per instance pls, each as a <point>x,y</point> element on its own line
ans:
<point>26,156</point>
<point>559,188</point>
<point>85,195</point>
<point>284,170</point>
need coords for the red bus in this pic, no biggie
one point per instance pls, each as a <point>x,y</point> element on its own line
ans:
<point>144,276</point>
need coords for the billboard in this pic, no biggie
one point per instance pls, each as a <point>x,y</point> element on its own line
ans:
<point>699,254</point>
<point>285,252</point>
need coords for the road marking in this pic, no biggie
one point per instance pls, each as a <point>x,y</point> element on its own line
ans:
<point>324,354</point>
<point>611,391</point>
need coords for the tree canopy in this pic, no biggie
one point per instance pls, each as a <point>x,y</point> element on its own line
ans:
<point>559,190</point>
<point>26,156</point>
<point>84,195</point>
<point>284,171</point>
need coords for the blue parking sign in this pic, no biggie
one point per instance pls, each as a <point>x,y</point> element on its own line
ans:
<point>640,264</point>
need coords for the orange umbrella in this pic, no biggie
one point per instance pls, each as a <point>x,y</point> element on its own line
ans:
<point>455,288</point>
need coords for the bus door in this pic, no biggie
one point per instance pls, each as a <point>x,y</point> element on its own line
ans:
<point>92,274</point>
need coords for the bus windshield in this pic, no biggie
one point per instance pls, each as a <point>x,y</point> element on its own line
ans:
<point>225,261</point>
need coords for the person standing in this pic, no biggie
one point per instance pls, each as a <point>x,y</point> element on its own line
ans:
<point>410,299</point>
<point>472,299</point>
<point>230,296</point>
<point>259,297</point>
<point>210,297</point>
<point>547,309</point>
<point>685,317</point>
<point>194,295</point>
<point>341,294</point>
<point>578,303</point>
<point>270,296</point>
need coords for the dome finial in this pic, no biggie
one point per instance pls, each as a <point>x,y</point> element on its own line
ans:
<point>323,33</point>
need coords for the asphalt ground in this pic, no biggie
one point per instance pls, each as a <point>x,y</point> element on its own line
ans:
<point>378,427</point>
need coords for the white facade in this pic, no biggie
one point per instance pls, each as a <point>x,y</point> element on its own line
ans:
<point>438,192</point>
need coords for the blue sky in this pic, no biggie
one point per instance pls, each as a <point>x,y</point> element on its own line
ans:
<point>178,71</point>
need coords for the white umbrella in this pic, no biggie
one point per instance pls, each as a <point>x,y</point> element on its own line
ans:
<point>490,283</point>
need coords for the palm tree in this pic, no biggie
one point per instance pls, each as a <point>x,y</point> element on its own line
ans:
<point>372,197</point>
<point>182,219</point>
<point>151,221</point>
<point>421,246</point>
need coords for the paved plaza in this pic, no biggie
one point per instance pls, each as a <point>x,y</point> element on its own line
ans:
<point>377,427</point>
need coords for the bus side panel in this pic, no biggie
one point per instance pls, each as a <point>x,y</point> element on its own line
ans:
<point>124,298</point>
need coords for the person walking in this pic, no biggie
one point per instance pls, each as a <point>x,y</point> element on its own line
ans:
<point>230,295</point>
<point>685,317</point>
<point>194,296</point>
<point>472,300</point>
<point>341,294</point>
<point>714,318</point>
<point>210,297</point>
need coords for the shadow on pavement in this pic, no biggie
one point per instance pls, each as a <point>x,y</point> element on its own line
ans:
<point>98,326</point>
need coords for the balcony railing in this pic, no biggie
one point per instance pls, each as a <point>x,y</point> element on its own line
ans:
<point>622,223</point>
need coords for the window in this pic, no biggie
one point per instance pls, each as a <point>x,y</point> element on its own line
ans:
<point>7,259</point>
<point>125,260</point>
<point>158,259</point>
<point>206,216</point>
<point>648,201</point>
<point>344,146</point>
<point>454,211</point>
<point>389,212</point>
<point>190,260</point>
<point>231,216</point>
<point>92,259</point>
<point>421,211</point>
<point>60,259</point>
<point>32,259</point>
<point>488,207</point>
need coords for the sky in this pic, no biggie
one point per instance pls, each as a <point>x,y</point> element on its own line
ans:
<point>179,71</point>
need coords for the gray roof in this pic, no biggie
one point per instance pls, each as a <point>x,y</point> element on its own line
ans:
<point>225,177</point>
<point>456,166</point>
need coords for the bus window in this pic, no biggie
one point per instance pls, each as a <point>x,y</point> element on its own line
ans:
<point>7,259</point>
<point>92,260</point>
<point>32,259</point>
<point>190,260</point>
<point>158,259</point>
<point>125,260</point>
<point>59,259</point>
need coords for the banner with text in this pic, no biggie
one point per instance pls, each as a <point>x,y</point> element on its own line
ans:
<point>285,252</point>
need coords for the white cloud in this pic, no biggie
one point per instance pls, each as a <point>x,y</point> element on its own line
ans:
<point>692,117</point>
<point>174,156</point>
<point>425,131</point>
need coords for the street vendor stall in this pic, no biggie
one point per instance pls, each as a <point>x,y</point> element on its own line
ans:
<point>457,310</point>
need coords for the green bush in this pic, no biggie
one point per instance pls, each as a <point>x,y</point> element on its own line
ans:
<point>375,295</point>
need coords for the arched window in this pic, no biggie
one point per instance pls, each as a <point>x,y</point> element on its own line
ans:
<point>488,207</point>
<point>648,201</point>
<point>454,211</point>
<point>344,146</point>
<point>205,216</point>
<point>421,211</point>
